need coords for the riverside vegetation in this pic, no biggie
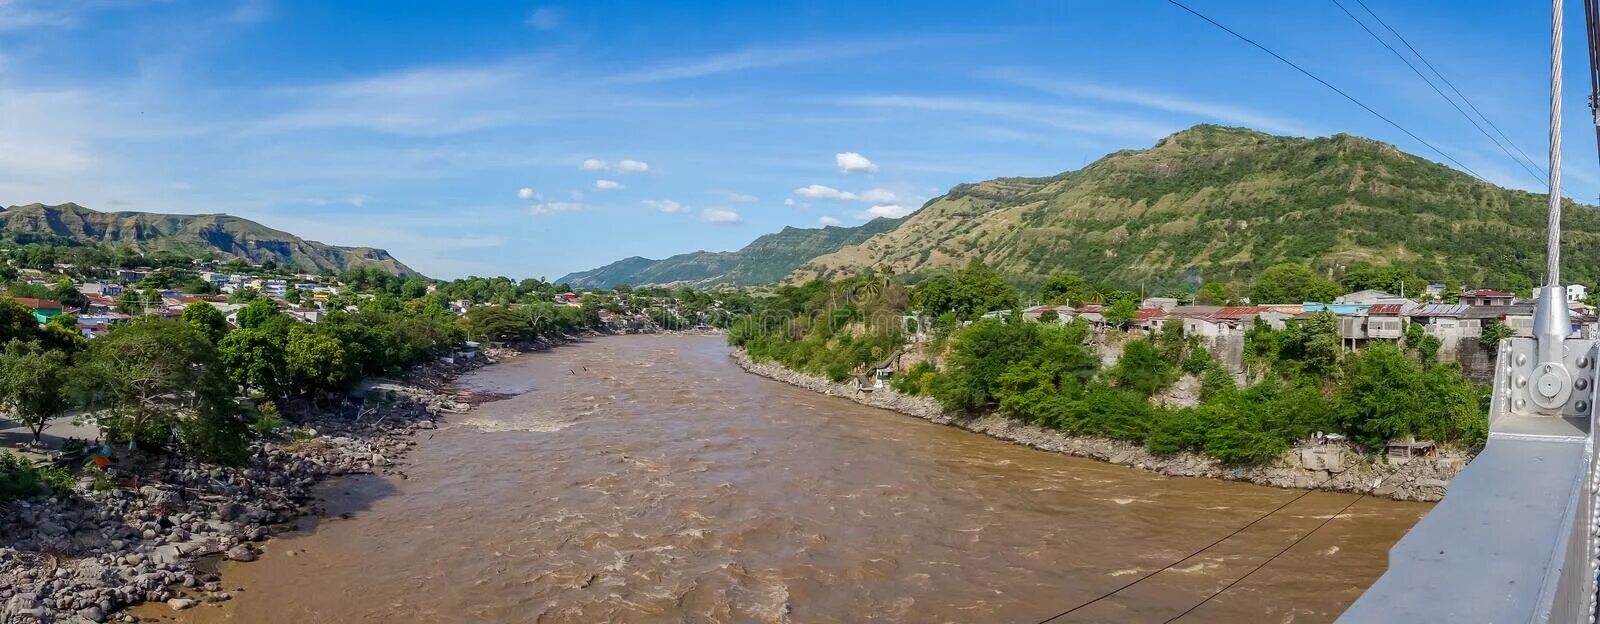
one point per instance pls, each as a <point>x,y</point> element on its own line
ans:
<point>218,433</point>
<point>1299,380</point>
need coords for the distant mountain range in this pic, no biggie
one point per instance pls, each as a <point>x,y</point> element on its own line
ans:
<point>1206,204</point>
<point>221,235</point>
<point>768,259</point>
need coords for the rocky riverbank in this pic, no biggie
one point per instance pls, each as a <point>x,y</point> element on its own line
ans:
<point>1335,467</point>
<point>86,555</point>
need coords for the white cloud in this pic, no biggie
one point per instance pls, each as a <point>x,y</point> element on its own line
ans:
<point>633,166</point>
<point>851,162</point>
<point>827,220</point>
<point>891,211</point>
<point>818,191</point>
<point>735,196</point>
<point>525,193</point>
<point>878,196</point>
<point>788,201</point>
<point>593,165</point>
<point>544,18</point>
<point>607,185</point>
<point>665,205</point>
<point>719,215</point>
<point>548,208</point>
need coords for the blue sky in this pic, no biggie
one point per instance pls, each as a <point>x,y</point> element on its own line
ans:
<point>528,139</point>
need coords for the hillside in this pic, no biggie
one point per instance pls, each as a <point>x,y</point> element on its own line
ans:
<point>765,260</point>
<point>1214,203</point>
<point>221,235</point>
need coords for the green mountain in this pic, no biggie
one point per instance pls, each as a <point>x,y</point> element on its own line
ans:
<point>765,260</point>
<point>220,235</point>
<point>1221,204</point>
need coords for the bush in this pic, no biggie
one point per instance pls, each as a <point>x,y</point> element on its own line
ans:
<point>913,381</point>
<point>18,478</point>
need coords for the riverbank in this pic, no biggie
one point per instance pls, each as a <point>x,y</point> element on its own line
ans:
<point>112,543</point>
<point>1328,467</point>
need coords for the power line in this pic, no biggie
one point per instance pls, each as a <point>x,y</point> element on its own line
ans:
<point>1452,86</point>
<point>1189,556</point>
<point>1263,564</point>
<point>1436,89</point>
<point>1330,86</point>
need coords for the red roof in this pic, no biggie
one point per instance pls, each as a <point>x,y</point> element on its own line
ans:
<point>1093,307</point>
<point>1384,309</point>
<point>39,304</point>
<point>1145,314</point>
<point>1237,312</point>
<point>1488,293</point>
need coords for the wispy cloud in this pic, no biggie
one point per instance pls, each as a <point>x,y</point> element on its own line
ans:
<point>665,205</point>
<point>1075,119</point>
<point>719,215</point>
<point>544,18</point>
<point>761,57</point>
<point>1152,100</point>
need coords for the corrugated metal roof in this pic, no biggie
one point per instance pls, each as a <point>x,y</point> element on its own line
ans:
<point>1237,312</point>
<point>1384,309</point>
<point>1441,309</point>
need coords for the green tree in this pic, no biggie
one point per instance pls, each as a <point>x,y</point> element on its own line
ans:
<point>1065,289</point>
<point>1493,332</point>
<point>1121,313</point>
<point>254,358</point>
<point>1451,293</point>
<point>316,362</point>
<point>1141,368</point>
<point>1291,282</point>
<point>143,376</point>
<point>32,384</point>
<point>259,313</point>
<point>206,318</point>
<point>1215,293</point>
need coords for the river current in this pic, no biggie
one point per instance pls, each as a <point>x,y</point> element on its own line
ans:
<point>649,479</point>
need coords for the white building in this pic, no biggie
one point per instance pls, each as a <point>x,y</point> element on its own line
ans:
<point>1577,293</point>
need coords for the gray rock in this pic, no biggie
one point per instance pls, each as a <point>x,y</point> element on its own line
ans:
<point>179,604</point>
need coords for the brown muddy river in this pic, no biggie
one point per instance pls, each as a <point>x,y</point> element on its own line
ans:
<point>664,484</point>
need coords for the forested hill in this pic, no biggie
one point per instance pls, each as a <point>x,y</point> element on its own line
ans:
<point>1220,204</point>
<point>765,260</point>
<point>219,235</point>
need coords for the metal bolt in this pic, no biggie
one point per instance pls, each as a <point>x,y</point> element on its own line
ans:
<point>1522,382</point>
<point>1583,361</point>
<point>1581,383</point>
<point>1582,406</point>
<point>1521,403</point>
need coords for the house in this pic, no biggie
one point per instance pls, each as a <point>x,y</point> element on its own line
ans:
<point>1337,309</point>
<point>1369,297</point>
<point>1487,297</point>
<point>1447,321</point>
<point>1518,316</point>
<point>1150,319</point>
<point>275,288</point>
<point>1433,291</point>
<point>1386,321</point>
<point>1062,313</point>
<point>567,299</point>
<point>1164,303</point>
<point>1577,293</point>
<point>131,275</point>
<point>43,309</point>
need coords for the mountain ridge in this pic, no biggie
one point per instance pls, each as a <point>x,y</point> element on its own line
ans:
<point>1214,203</point>
<point>765,260</point>
<point>222,234</point>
